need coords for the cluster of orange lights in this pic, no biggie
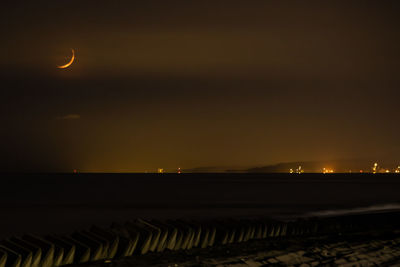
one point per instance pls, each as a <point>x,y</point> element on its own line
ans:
<point>299,170</point>
<point>375,169</point>
<point>326,170</point>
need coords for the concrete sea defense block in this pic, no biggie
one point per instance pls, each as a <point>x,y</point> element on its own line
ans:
<point>36,250</point>
<point>96,248</point>
<point>82,251</point>
<point>112,239</point>
<point>26,255</point>
<point>68,250</point>
<point>127,242</point>
<point>145,240</point>
<point>9,257</point>
<point>47,249</point>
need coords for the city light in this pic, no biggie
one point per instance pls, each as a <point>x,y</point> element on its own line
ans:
<point>326,170</point>
<point>375,168</point>
<point>299,170</point>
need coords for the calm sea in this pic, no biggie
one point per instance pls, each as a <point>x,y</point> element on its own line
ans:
<point>58,203</point>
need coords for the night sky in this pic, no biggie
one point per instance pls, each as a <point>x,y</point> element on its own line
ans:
<point>168,84</point>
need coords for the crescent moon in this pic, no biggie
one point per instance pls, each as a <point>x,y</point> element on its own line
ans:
<point>70,62</point>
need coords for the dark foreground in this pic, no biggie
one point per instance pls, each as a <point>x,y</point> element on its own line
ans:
<point>373,248</point>
<point>356,240</point>
<point>199,220</point>
<point>350,240</point>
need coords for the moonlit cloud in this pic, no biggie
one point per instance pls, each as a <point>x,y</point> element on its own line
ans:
<point>69,117</point>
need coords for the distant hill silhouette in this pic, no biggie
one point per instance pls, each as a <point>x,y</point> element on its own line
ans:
<point>338,166</point>
<point>211,169</point>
